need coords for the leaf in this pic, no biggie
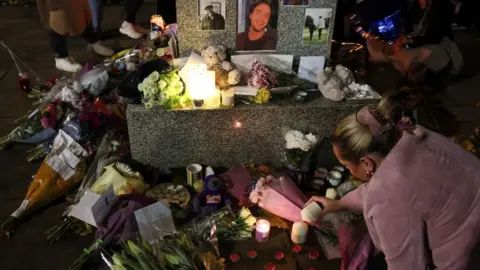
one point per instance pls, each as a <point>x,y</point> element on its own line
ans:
<point>275,221</point>
<point>172,259</point>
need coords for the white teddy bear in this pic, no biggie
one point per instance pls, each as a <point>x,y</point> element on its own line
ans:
<point>334,83</point>
<point>226,75</point>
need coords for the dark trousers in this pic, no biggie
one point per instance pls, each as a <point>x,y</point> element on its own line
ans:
<point>320,33</point>
<point>166,8</point>
<point>59,42</point>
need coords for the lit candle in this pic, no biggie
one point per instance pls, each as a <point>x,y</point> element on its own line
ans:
<point>201,82</point>
<point>262,230</point>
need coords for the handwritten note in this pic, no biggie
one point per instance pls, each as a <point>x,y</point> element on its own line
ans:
<point>310,66</point>
<point>154,221</point>
<point>83,209</point>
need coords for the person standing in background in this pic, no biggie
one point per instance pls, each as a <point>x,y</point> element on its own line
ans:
<point>96,8</point>
<point>320,27</point>
<point>166,8</point>
<point>69,17</point>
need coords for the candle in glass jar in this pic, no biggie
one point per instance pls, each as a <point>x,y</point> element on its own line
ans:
<point>262,230</point>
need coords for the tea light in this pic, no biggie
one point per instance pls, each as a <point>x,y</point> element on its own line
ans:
<point>314,255</point>
<point>335,178</point>
<point>339,169</point>
<point>279,256</point>
<point>311,212</point>
<point>262,230</point>
<point>269,266</point>
<point>301,96</point>
<point>321,173</point>
<point>299,232</point>
<point>296,249</point>
<point>252,254</point>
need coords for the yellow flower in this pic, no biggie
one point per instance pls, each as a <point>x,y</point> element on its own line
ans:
<point>250,221</point>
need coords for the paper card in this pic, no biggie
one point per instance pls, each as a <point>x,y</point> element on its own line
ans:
<point>310,66</point>
<point>61,167</point>
<point>179,63</point>
<point>21,209</point>
<point>154,221</point>
<point>83,209</point>
<point>194,59</point>
<point>282,63</point>
<point>69,158</point>
<point>104,205</point>
<point>245,90</point>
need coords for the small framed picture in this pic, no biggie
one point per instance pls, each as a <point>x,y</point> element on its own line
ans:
<point>317,26</point>
<point>211,15</point>
<point>295,2</point>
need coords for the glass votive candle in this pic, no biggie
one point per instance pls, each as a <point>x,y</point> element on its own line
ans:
<point>228,97</point>
<point>262,230</point>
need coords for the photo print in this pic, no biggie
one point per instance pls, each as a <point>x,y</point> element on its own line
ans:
<point>295,2</point>
<point>317,26</point>
<point>257,25</point>
<point>211,14</point>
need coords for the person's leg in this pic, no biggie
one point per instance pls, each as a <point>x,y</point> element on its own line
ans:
<point>96,8</point>
<point>168,10</point>
<point>59,44</point>
<point>60,51</point>
<point>93,40</point>
<point>131,9</point>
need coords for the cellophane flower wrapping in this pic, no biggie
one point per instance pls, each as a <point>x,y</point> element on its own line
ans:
<point>355,245</point>
<point>279,196</point>
<point>260,76</point>
<point>298,148</point>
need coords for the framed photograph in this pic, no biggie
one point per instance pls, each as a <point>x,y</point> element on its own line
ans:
<point>211,15</point>
<point>295,2</point>
<point>257,25</point>
<point>217,7</point>
<point>317,26</point>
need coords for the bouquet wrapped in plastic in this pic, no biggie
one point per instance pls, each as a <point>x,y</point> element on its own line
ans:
<point>279,196</point>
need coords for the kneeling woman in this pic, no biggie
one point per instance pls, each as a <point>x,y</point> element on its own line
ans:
<point>421,199</point>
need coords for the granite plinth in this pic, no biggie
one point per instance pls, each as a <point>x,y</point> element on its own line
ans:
<point>169,139</point>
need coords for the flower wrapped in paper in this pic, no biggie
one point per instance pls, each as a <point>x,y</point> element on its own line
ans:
<point>279,196</point>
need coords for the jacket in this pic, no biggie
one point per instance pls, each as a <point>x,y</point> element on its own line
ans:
<point>422,206</point>
<point>65,17</point>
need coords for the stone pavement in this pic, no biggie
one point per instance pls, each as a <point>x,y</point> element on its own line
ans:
<point>21,29</point>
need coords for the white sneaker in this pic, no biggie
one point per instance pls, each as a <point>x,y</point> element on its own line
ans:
<point>101,49</point>
<point>128,30</point>
<point>67,64</point>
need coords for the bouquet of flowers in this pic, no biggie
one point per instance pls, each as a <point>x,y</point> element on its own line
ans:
<point>260,76</point>
<point>164,89</point>
<point>298,148</point>
<point>279,196</point>
<point>224,225</point>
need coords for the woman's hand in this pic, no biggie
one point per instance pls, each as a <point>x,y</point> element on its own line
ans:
<point>329,206</point>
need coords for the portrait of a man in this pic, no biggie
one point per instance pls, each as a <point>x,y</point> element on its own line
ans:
<point>258,33</point>
<point>210,15</point>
